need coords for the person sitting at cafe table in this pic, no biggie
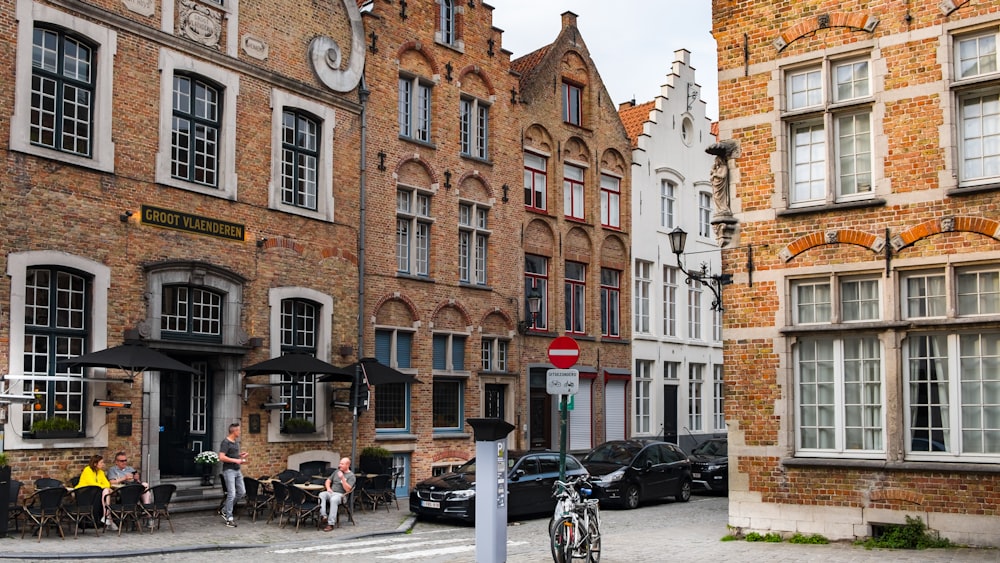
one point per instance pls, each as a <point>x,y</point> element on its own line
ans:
<point>93,476</point>
<point>340,483</point>
<point>121,473</point>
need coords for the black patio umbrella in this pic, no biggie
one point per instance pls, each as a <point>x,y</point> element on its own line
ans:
<point>301,365</point>
<point>375,373</point>
<point>132,358</point>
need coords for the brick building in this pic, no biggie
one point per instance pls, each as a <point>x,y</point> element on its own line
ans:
<point>676,333</point>
<point>185,172</point>
<point>442,215</point>
<point>575,239</point>
<point>861,348</point>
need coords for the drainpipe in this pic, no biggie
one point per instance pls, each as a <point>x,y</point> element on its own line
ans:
<point>363,93</point>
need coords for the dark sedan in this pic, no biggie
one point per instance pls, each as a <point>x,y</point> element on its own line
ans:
<point>530,478</point>
<point>627,472</point>
<point>710,465</point>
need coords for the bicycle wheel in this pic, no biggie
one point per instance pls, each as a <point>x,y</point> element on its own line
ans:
<point>562,540</point>
<point>593,542</point>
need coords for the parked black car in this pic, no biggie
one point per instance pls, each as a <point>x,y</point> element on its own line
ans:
<point>710,465</point>
<point>627,472</point>
<point>530,478</point>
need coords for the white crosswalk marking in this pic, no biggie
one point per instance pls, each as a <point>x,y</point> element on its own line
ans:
<point>397,548</point>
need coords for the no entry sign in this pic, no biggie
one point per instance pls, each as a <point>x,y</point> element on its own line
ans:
<point>564,352</point>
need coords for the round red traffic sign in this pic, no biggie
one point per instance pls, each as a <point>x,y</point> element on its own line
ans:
<point>564,352</point>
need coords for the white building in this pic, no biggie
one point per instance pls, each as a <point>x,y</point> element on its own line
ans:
<point>677,341</point>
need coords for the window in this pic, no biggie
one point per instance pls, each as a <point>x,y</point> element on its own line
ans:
<point>642,285</point>
<point>643,396</point>
<point>671,370</point>
<point>62,92</point>
<point>860,300</point>
<point>704,214</point>
<point>534,182</point>
<point>978,293</point>
<point>473,242</point>
<point>840,395</point>
<point>610,202</point>
<point>978,91</point>
<point>474,128</point>
<point>449,352</point>
<point>670,288</point>
<point>448,404</point>
<point>393,347</point>
<point>667,202</point>
<point>190,312</point>
<point>56,309</point>
<point>716,325</point>
<point>298,336</point>
<point>572,96</point>
<point>576,290</point>
<point>924,295</point>
<point>494,402</point>
<point>494,354</point>
<point>446,21</point>
<point>413,232</point>
<point>536,279</point>
<point>197,145</point>
<point>718,410</point>
<point>610,293</point>
<point>857,299</point>
<point>829,117</point>
<point>573,191</point>
<point>414,109</point>
<point>812,302</point>
<point>299,159</point>
<point>63,87</point>
<point>694,310</point>
<point>195,132</point>
<point>695,410</point>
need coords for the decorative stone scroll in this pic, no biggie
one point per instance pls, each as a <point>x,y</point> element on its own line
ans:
<point>199,23</point>
<point>142,7</point>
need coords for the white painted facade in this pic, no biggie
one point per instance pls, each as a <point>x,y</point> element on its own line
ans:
<point>677,348</point>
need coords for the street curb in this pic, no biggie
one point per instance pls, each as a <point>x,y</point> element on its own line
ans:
<point>403,528</point>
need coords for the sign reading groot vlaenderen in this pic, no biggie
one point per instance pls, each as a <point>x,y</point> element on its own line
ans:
<point>170,219</point>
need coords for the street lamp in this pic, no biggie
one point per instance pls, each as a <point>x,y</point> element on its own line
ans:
<point>714,282</point>
<point>534,300</point>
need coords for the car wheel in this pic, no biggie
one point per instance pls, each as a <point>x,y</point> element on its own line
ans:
<point>684,494</point>
<point>631,498</point>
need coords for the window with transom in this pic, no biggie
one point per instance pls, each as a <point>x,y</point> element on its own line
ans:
<point>393,347</point>
<point>473,242</point>
<point>536,282</point>
<point>573,192</point>
<point>977,88</point>
<point>610,302</point>
<point>300,150</point>
<point>642,403</point>
<point>643,283</point>
<point>415,108</point>
<point>299,319</point>
<point>62,92</point>
<point>576,291</point>
<point>670,293</point>
<point>197,123</point>
<point>535,181</point>
<point>828,112</point>
<point>474,128</point>
<point>413,232</point>
<point>572,97</point>
<point>611,201</point>
<point>190,312</point>
<point>494,353</point>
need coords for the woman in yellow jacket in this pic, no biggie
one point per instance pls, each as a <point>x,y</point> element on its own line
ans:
<point>93,476</point>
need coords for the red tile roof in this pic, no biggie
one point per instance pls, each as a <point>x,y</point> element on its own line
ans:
<point>524,65</point>
<point>633,118</point>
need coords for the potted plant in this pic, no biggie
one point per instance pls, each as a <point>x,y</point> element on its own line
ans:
<point>4,494</point>
<point>298,426</point>
<point>375,460</point>
<point>55,427</point>
<point>206,460</point>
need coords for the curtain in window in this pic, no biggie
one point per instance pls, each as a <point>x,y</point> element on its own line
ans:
<point>928,395</point>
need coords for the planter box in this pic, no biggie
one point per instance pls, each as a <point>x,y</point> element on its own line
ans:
<point>54,434</point>
<point>298,430</point>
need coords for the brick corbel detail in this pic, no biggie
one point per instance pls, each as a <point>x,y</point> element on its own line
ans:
<point>842,236</point>
<point>857,21</point>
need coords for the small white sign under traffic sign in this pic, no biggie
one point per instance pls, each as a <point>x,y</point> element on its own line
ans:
<point>562,381</point>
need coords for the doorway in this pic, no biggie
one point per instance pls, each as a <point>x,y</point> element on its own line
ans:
<point>184,424</point>
<point>670,413</point>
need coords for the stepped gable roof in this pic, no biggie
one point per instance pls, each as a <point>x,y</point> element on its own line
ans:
<point>524,65</point>
<point>633,118</point>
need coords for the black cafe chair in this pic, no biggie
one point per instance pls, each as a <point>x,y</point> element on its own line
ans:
<point>378,490</point>
<point>160,507</point>
<point>127,507</point>
<point>347,506</point>
<point>81,508</point>
<point>302,506</point>
<point>257,499</point>
<point>280,504</point>
<point>47,483</point>
<point>43,509</point>
<point>14,510</point>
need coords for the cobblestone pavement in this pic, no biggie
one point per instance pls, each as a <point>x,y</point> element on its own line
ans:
<point>655,532</point>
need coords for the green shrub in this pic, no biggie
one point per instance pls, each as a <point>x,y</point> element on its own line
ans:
<point>299,425</point>
<point>912,535</point>
<point>754,536</point>
<point>55,423</point>
<point>729,537</point>
<point>3,459</point>
<point>773,537</point>
<point>813,539</point>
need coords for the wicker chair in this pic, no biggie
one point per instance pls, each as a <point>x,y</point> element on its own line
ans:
<point>85,501</point>
<point>160,507</point>
<point>44,508</point>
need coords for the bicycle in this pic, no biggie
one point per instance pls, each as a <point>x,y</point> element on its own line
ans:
<point>575,529</point>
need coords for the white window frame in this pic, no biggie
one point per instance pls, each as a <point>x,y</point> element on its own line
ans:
<point>611,193</point>
<point>574,192</point>
<point>415,111</point>
<point>718,398</point>
<point>495,353</point>
<point>643,397</point>
<point>535,174</point>
<point>474,127</point>
<point>418,250</point>
<point>102,156</point>
<point>280,101</point>
<point>704,214</point>
<point>820,108</point>
<point>643,286</point>
<point>979,84</point>
<point>473,242</point>
<point>671,288</point>
<point>171,62</point>
<point>694,310</point>
<point>668,201</point>
<point>696,407</point>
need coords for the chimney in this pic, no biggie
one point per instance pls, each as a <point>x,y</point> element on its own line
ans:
<point>568,19</point>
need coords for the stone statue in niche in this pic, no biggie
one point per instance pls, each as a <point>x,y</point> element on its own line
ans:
<point>723,222</point>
